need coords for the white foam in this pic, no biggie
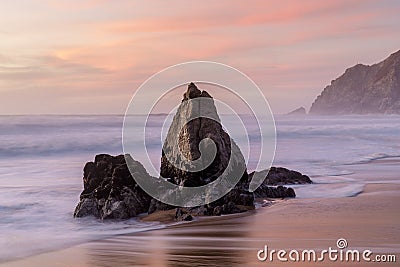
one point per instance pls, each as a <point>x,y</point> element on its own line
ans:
<point>42,159</point>
<point>331,190</point>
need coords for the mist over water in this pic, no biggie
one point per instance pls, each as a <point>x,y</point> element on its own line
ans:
<point>42,157</point>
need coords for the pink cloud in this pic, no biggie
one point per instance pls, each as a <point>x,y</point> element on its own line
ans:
<point>239,14</point>
<point>111,47</point>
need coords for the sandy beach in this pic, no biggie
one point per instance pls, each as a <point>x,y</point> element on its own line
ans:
<point>219,133</point>
<point>367,221</point>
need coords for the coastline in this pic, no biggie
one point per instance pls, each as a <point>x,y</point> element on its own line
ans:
<point>367,221</point>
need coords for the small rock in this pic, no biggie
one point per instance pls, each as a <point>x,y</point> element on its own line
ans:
<point>181,215</point>
<point>110,191</point>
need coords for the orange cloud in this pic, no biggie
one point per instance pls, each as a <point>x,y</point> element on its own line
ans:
<point>110,47</point>
<point>240,14</point>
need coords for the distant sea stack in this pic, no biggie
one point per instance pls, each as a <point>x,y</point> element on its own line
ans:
<point>363,89</point>
<point>299,111</point>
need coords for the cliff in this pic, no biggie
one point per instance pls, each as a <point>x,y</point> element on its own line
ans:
<point>363,89</point>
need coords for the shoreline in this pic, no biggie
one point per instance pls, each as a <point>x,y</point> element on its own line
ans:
<point>367,220</point>
<point>288,224</point>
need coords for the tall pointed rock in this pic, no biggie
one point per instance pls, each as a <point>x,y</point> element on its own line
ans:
<point>197,141</point>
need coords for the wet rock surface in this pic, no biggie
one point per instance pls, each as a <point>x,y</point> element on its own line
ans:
<point>111,192</point>
<point>275,178</point>
<point>283,176</point>
<point>228,159</point>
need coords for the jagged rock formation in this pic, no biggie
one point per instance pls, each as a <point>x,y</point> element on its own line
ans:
<point>184,139</point>
<point>278,176</point>
<point>298,111</point>
<point>110,192</point>
<point>363,89</point>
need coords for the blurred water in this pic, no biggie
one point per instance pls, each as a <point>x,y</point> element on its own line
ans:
<point>42,157</point>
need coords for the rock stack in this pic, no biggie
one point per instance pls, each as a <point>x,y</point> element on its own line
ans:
<point>195,138</point>
<point>196,121</point>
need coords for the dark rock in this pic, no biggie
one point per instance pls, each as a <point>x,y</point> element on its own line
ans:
<point>157,205</point>
<point>230,208</point>
<point>181,215</point>
<point>363,89</point>
<point>110,192</point>
<point>204,210</point>
<point>217,211</point>
<point>283,176</point>
<point>192,92</point>
<point>187,144</point>
<point>274,192</point>
<point>278,177</point>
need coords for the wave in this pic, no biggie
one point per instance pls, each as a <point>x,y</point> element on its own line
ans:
<point>38,217</point>
<point>60,145</point>
<point>374,157</point>
<point>329,190</point>
<point>18,207</point>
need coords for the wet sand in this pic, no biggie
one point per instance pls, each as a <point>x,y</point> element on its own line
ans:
<point>367,221</point>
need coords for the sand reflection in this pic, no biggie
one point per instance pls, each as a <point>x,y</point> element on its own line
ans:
<point>208,243</point>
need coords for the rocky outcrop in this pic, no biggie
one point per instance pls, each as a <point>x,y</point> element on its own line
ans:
<point>283,176</point>
<point>184,141</point>
<point>363,89</point>
<point>278,176</point>
<point>193,131</point>
<point>110,192</point>
<point>298,112</point>
<point>274,192</point>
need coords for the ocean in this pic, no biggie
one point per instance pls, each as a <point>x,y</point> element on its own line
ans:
<point>42,158</point>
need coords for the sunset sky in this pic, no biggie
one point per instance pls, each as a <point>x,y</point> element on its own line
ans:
<point>88,57</point>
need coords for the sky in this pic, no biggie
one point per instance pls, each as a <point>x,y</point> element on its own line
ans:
<point>89,56</point>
